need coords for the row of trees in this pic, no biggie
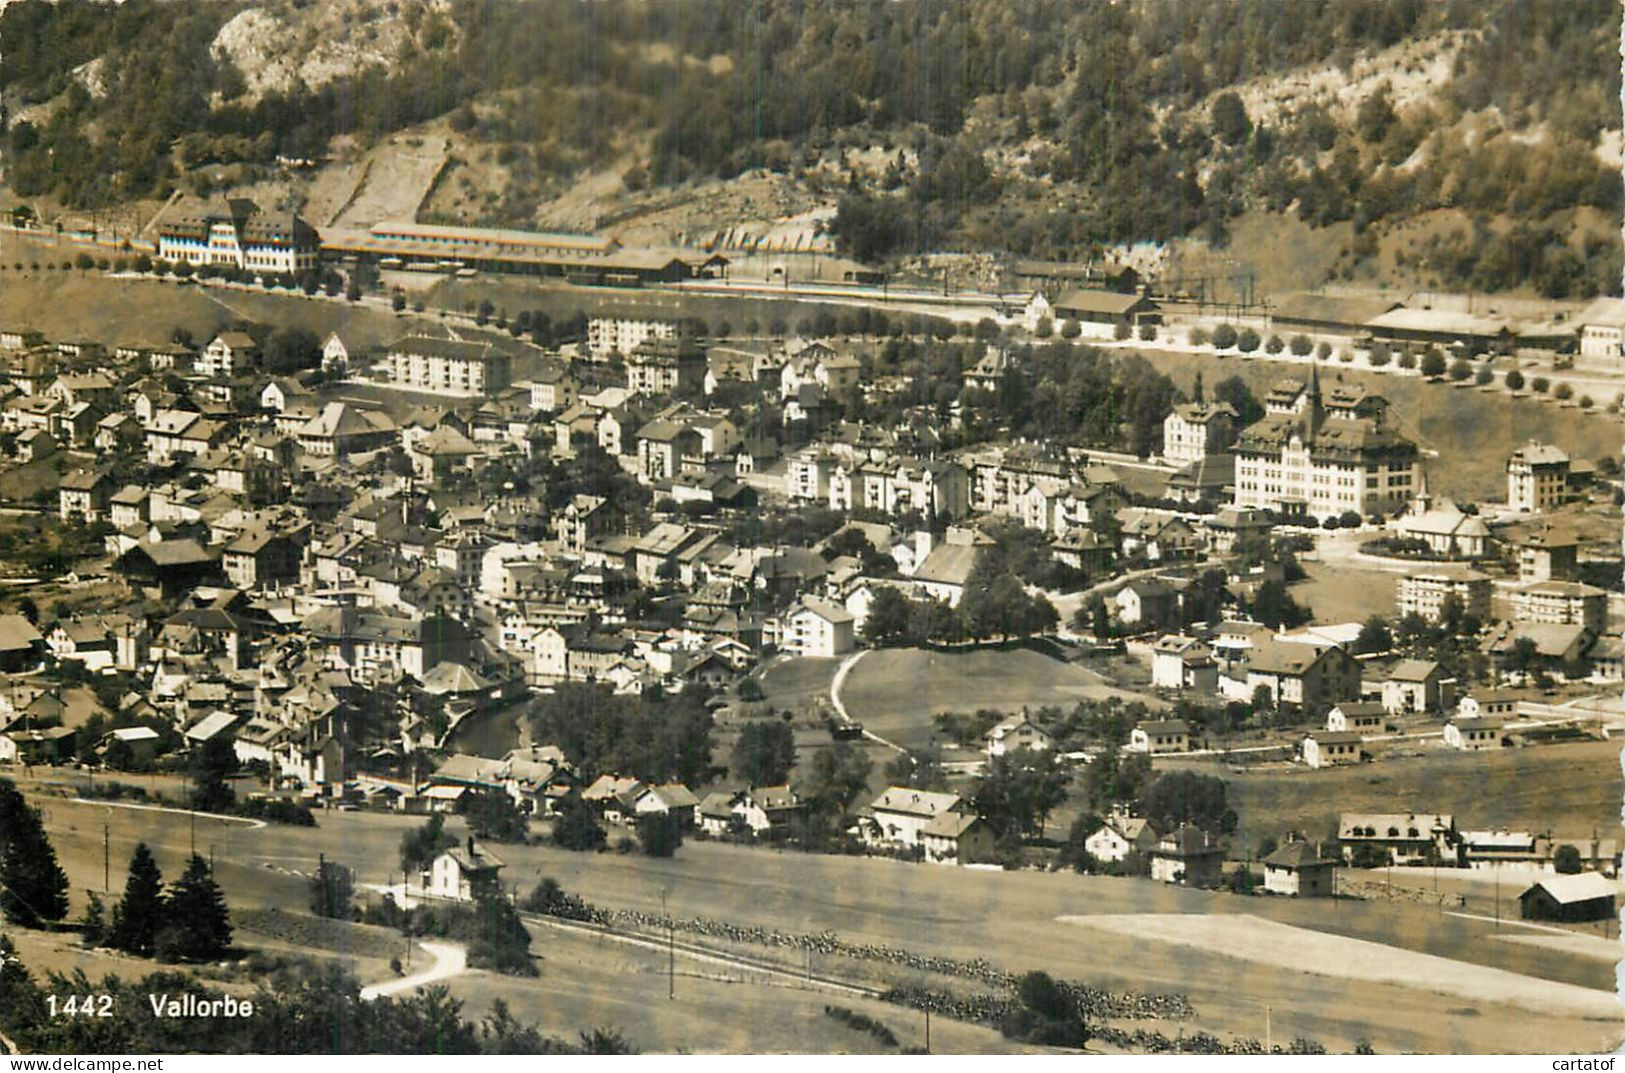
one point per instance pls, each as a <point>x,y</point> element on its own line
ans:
<point>190,921</point>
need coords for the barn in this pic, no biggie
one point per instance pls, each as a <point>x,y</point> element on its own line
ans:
<point>1570,899</point>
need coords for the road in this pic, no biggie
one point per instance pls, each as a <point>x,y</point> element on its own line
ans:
<point>840,708</point>
<point>256,824</point>
<point>449,960</point>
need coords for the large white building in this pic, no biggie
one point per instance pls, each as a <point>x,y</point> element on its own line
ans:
<point>1194,430</point>
<point>1537,478</point>
<point>1424,592</point>
<point>1602,333</point>
<point>622,335</point>
<point>1315,456</point>
<point>236,232</point>
<point>451,366</point>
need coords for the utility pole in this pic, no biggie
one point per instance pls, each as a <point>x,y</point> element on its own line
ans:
<point>928,1030</point>
<point>671,952</point>
<point>1269,1033</point>
<point>106,851</point>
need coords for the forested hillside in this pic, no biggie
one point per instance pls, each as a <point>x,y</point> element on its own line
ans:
<point>1031,127</point>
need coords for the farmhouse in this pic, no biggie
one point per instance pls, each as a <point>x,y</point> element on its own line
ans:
<point>1120,835</point>
<point>1297,870</point>
<point>1186,856</point>
<point>899,815</point>
<point>1475,735</point>
<point>1326,748</point>
<point>459,872</point>
<point>1160,736</point>
<point>1014,733</point>
<point>1570,899</point>
<point>957,838</point>
<point>1363,717</point>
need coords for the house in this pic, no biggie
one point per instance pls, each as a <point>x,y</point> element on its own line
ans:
<point>1313,677</point>
<point>1186,856</point>
<point>1014,733</point>
<point>957,838</point>
<point>1146,603</point>
<point>1537,478</point>
<point>1417,685</point>
<point>1239,530</point>
<point>668,799</point>
<point>84,494</point>
<point>1194,430</point>
<point>21,645</point>
<point>1444,527</point>
<point>1547,554</point>
<point>1602,334</point>
<point>666,367</point>
<point>1489,703</point>
<point>1296,870</point>
<point>1160,736</point>
<point>231,353</point>
<point>1398,837</point>
<point>461,872</point>
<point>898,816</point>
<point>140,744</point>
<point>1570,899</point>
<point>1327,748</point>
<point>817,627</point>
<point>1359,717</point>
<point>1181,664</point>
<point>1120,835</point>
<point>1476,735</point>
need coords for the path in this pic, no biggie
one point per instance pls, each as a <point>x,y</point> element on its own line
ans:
<point>449,960</point>
<point>840,709</point>
<point>253,823</point>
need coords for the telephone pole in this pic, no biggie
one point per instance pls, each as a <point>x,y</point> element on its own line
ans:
<point>106,852</point>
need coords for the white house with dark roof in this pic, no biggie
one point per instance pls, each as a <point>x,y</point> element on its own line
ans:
<point>1016,732</point>
<point>1160,736</point>
<point>459,872</point>
<point>817,627</point>
<point>900,814</point>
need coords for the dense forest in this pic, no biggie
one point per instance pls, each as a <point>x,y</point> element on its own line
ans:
<point>1117,112</point>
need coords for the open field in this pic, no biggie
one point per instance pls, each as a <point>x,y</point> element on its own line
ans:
<point>116,310</point>
<point>1344,593</point>
<point>894,692</point>
<point>1006,917</point>
<point>1570,790</point>
<point>1272,943</point>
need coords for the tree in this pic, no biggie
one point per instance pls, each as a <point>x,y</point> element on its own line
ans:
<point>1461,369</point>
<point>1247,341</point>
<point>1433,363</point>
<point>1019,790</point>
<point>420,847</point>
<point>288,350</point>
<point>1273,345</point>
<point>577,827</point>
<point>141,912</point>
<point>1566,861</point>
<point>1224,337</point>
<point>1514,380</point>
<point>764,753</point>
<point>1230,122</point>
<point>1275,607</point>
<point>493,815</point>
<point>1563,391</point>
<point>660,834</point>
<point>1375,636</point>
<point>197,915</point>
<point>211,766</point>
<point>1540,385</point>
<point>352,290</point>
<point>887,622</point>
<point>1176,797</point>
<point>1302,346</point>
<point>839,776</point>
<point>332,890</point>
<point>33,887</point>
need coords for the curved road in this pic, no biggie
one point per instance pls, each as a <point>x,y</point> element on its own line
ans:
<point>449,960</point>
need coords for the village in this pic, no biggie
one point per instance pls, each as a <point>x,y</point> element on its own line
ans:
<point>629,580</point>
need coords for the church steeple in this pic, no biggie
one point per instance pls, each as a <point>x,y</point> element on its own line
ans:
<point>1312,407</point>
